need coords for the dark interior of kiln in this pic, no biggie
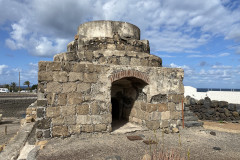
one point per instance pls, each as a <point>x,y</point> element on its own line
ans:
<point>124,92</point>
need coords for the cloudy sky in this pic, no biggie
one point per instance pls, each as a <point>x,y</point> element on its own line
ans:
<point>200,36</point>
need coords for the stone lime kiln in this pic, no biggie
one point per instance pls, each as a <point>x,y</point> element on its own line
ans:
<point>106,75</point>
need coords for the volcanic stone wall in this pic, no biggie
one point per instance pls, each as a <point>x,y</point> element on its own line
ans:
<point>206,109</point>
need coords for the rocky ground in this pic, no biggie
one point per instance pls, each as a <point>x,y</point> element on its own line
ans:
<point>215,140</point>
<point>202,144</point>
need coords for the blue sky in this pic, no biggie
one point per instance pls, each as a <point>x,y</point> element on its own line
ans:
<point>200,36</point>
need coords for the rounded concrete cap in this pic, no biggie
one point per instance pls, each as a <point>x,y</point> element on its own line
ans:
<point>108,29</point>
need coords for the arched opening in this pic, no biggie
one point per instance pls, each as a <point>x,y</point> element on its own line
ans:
<point>124,93</point>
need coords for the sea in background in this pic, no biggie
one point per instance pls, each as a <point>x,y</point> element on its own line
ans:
<point>217,89</point>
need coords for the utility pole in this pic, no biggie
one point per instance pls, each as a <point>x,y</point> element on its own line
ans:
<point>19,83</point>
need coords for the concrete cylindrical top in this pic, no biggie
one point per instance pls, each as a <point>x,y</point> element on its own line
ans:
<point>108,28</point>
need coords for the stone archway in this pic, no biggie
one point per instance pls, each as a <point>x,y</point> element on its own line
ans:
<point>126,88</point>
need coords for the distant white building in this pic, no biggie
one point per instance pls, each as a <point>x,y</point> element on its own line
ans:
<point>229,96</point>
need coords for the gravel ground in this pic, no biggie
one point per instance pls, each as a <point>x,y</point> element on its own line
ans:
<point>13,125</point>
<point>198,140</point>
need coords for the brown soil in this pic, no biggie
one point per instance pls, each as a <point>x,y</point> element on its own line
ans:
<point>224,126</point>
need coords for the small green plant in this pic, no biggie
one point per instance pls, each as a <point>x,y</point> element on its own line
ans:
<point>179,140</point>
<point>188,154</point>
<point>163,139</point>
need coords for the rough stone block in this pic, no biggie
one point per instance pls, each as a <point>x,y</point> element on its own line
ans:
<point>165,115</point>
<point>151,108</point>
<point>96,119</point>
<point>58,121</point>
<point>87,128</point>
<point>84,119</point>
<point>41,88</point>
<point>155,116</point>
<point>60,76</point>
<point>42,66</point>
<point>70,120</point>
<point>58,131</point>
<point>152,125</point>
<point>45,76</point>
<point>68,66</point>
<point>41,102</point>
<point>111,46</point>
<point>39,134</point>
<point>54,66</point>
<point>164,124</point>
<point>75,76</point>
<point>162,107</point>
<point>68,110</point>
<point>82,109</point>
<point>62,99</point>
<point>74,98</point>
<point>72,56</point>
<point>44,123</point>
<point>144,61</point>
<point>176,98</point>
<point>40,112</point>
<point>51,99</point>
<point>135,62</point>
<point>47,134</point>
<point>90,77</point>
<point>78,67</point>
<point>100,127</point>
<point>74,129</point>
<point>54,87</point>
<point>113,60</point>
<point>124,60</point>
<point>95,109</point>
<point>106,118</point>
<point>84,87</point>
<point>88,55</point>
<point>53,111</point>
<point>69,87</point>
<point>175,115</point>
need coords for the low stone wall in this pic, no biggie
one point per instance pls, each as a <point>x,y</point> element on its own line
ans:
<point>207,109</point>
<point>15,107</point>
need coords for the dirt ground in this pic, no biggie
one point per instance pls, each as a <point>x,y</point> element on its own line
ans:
<point>198,140</point>
<point>201,144</point>
<point>13,125</point>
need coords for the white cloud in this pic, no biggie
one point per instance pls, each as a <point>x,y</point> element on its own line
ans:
<point>45,27</point>
<point>165,56</point>
<point>224,54</point>
<point>208,55</point>
<point>221,67</point>
<point>2,67</point>
<point>201,55</point>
